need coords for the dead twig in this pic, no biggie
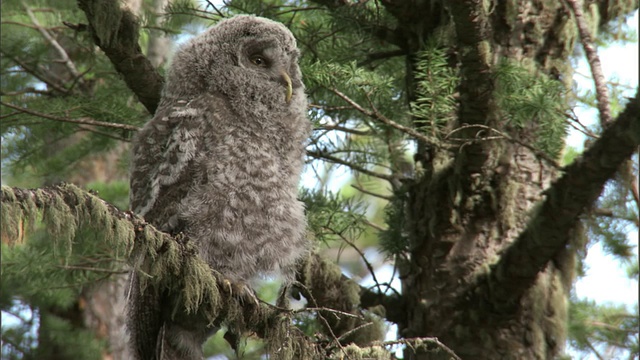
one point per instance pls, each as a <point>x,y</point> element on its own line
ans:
<point>378,116</point>
<point>64,57</point>
<point>429,340</point>
<point>602,93</point>
<point>365,191</point>
<point>505,136</point>
<point>360,169</point>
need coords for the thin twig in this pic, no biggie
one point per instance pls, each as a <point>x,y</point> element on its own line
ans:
<point>355,329</point>
<point>411,342</point>
<point>209,3</point>
<point>365,191</point>
<point>364,259</point>
<point>594,350</point>
<point>322,318</point>
<point>373,225</point>
<point>329,108</point>
<point>27,25</point>
<point>602,93</point>
<point>307,309</point>
<point>333,159</point>
<point>378,116</point>
<point>296,9</point>
<point>504,136</point>
<point>85,121</point>
<point>582,130</point>
<point>34,72</point>
<point>102,133</point>
<point>92,269</point>
<point>27,90</point>
<point>344,129</point>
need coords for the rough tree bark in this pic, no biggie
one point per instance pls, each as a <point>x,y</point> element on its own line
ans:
<point>489,274</point>
<point>464,283</point>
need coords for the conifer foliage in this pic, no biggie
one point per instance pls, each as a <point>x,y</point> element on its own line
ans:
<point>440,192</point>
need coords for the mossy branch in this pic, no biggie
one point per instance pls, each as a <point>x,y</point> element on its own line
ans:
<point>168,262</point>
<point>172,263</point>
<point>551,225</point>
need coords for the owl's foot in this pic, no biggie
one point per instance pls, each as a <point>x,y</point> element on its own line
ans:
<point>242,292</point>
<point>246,294</point>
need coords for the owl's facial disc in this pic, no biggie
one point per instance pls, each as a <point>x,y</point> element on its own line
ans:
<point>287,80</point>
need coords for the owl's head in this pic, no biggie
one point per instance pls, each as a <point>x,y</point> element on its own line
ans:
<point>246,58</point>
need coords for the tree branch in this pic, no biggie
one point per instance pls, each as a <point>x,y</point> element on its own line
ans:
<point>84,121</point>
<point>550,227</point>
<point>116,32</point>
<point>177,256</point>
<point>45,78</point>
<point>64,57</point>
<point>354,167</point>
<point>176,265</point>
<point>602,93</point>
<point>374,114</point>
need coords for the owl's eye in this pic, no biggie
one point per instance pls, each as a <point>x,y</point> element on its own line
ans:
<point>258,60</point>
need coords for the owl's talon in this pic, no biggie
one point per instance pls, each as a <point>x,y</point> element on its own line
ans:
<point>245,294</point>
<point>228,286</point>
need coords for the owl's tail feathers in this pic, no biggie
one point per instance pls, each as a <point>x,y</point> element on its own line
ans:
<point>144,320</point>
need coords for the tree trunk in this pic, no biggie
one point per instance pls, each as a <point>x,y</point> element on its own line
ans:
<point>468,207</point>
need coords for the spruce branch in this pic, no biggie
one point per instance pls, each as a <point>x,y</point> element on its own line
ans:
<point>116,32</point>
<point>84,120</point>
<point>556,217</point>
<point>203,292</point>
<point>205,295</point>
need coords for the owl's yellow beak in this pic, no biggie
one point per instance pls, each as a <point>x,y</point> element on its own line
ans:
<point>287,80</point>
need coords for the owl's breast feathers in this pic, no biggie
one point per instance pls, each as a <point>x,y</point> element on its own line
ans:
<point>228,182</point>
<point>245,213</point>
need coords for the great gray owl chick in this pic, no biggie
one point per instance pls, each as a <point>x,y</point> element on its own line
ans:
<point>220,162</point>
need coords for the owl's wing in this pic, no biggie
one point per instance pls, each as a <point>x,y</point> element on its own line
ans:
<point>162,173</point>
<point>162,165</point>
